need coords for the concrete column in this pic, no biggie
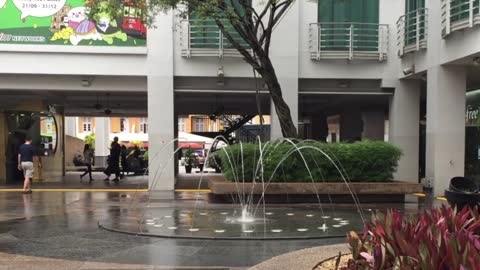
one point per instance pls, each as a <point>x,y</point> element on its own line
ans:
<point>445,157</point>
<point>71,126</point>
<point>3,145</point>
<point>160,104</point>
<point>102,140</point>
<point>319,127</point>
<point>175,135</point>
<point>351,125</point>
<point>404,128</point>
<point>286,63</point>
<point>373,125</point>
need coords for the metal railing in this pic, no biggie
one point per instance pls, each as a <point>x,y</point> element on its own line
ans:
<point>202,37</point>
<point>412,31</point>
<point>459,14</point>
<point>348,40</point>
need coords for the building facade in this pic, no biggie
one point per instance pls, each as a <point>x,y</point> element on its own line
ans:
<point>349,70</point>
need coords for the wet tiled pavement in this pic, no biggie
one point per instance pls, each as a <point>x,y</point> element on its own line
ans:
<point>64,226</point>
<point>72,180</point>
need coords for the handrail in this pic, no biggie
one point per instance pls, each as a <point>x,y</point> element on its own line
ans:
<point>412,31</point>
<point>459,14</point>
<point>348,40</point>
<point>202,37</point>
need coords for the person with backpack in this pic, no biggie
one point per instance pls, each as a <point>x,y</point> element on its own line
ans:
<point>87,160</point>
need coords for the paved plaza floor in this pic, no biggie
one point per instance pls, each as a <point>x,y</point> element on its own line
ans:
<point>64,226</point>
<point>72,181</point>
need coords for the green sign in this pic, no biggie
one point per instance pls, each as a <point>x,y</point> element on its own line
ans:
<point>73,22</point>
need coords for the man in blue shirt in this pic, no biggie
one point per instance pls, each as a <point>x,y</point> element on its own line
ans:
<point>25,164</point>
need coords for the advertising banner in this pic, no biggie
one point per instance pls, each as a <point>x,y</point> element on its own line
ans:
<point>73,22</point>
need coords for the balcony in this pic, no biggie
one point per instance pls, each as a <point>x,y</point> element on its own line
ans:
<point>459,14</point>
<point>412,31</point>
<point>332,40</point>
<point>203,38</point>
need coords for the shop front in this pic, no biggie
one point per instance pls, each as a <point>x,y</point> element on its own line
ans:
<point>46,131</point>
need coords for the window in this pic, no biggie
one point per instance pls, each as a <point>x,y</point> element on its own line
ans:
<point>460,9</point>
<point>336,18</point>
<point>412,7</point>
<point>204,33</point>
<point>181,125</point>
<point>123,124</point>
<point>199,124</point>
<point>143,125</point>
<point>87,124</point>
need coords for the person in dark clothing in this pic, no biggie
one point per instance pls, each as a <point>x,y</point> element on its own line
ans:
<point>136,152</point>
<point>25,164</point>
<point>87,159</point>
<point>114,160</point>
<point>123,157</point>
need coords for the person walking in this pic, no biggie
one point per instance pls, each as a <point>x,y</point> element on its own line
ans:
<point>124,162</point>
<point>113,161</point>
<point>25,164</point>
<point>87,159</point>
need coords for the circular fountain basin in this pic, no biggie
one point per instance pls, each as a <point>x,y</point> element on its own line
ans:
<point>227,223</point>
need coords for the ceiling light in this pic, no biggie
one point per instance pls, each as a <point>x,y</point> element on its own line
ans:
<point>86,83</point>
<point>476,61</point>
<point>220,76</point>
<point>409,70</point>
<point>344,84</point>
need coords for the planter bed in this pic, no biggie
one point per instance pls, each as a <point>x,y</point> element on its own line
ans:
<point>367,192</point>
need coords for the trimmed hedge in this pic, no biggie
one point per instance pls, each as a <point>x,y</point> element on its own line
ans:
<point>367,161</point>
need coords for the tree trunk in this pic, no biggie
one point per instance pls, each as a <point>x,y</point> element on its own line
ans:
<point>281,108</point>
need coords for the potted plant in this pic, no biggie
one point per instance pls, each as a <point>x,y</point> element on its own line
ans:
<point>189,160</point>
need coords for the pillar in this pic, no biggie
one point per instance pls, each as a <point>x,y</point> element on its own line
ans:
<point>3,145</point>
<point>102,140</point>
<point>445,149</point>
<point>404,128</point>
<point>71,126</point>
<point>373,125</point>
<point>285,60</point>
<point>351,125</point>
<point>161,104</point>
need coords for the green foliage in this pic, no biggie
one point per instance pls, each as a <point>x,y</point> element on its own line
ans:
<point>436,239</point>
<point>90,139</point>
<point>138,143</point>
<point>112,9</point>
<point>189,157</point>
<point>308,161</point>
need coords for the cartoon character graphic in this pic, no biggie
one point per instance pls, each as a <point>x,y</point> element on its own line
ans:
<point>108,24</point>
<point>83,28</point>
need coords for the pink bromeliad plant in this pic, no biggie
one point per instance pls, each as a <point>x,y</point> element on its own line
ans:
<point>442,239</point>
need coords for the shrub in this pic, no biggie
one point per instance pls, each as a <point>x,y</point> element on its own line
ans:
<point>308,161</point>
<point>436,239</point>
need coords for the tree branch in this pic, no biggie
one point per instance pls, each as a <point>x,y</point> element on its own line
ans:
<point>242,50</point>
<point>260,17</point>
<point>286,4</point>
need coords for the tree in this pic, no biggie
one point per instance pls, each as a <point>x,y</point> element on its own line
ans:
<point>90,139</point>
<point>254,25</point>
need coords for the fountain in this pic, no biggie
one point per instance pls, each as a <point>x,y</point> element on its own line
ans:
<point>246,219</point>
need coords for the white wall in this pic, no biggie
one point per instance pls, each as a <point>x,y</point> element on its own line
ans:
<point>82,62</point>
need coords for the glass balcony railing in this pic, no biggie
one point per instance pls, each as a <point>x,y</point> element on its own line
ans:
<point>412,31</point>
<point>334,40</point>
<point>459,14</point>
<point>202,37</point>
